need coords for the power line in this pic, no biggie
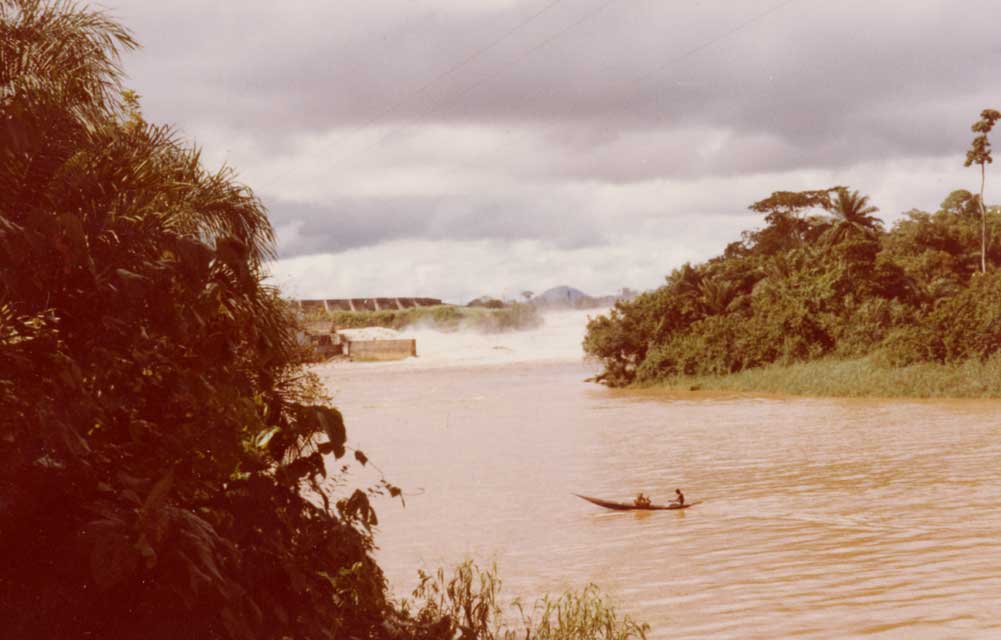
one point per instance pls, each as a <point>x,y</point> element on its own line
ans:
<point>483,79</point>
<point>544,43</point>
<point>723,36</point>
<point>476,55</point>
<point>741,26</point>
<point>458,66</point>
<point>556,36</point>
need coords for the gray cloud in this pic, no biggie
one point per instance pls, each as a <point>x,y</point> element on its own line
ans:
<point>595,129</point>
<point>349,223</point>
<point>811,74</point>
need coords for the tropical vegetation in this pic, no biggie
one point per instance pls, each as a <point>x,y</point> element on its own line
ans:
<point>821,280</point>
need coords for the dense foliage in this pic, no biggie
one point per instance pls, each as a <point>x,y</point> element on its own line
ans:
<point>821,278</point>
<point>163,459</point>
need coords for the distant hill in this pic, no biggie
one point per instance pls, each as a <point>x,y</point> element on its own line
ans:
<point>561,297</point>
<point>566,297</point>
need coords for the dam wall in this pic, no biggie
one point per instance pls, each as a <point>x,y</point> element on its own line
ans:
<point>365,304</point>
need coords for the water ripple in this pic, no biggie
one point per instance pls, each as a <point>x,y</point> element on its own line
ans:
<point>820,518</point>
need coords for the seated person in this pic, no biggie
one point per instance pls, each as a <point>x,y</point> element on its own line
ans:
<point>679,499</point>
<point>641,500</point>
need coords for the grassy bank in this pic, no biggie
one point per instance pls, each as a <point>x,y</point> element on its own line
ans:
<point>858,378</point>
<point>443,318</point>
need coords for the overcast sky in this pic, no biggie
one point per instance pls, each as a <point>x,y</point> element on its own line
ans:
<point>453,148</point>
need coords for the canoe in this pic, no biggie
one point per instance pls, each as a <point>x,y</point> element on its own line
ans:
<point>629,506</point>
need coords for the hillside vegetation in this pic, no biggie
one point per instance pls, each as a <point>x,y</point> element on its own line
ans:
<point>823,280</point>
<point>514,317</point>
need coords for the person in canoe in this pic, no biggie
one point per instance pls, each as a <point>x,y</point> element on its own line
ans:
<point>642,500</point>
<point>679,498</point>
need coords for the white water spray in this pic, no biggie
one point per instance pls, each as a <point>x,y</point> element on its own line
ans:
<point>557,340</point>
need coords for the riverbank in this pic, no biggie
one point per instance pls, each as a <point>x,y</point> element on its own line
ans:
<point>855,378</point>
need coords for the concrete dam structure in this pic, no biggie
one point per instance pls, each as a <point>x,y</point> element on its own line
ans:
<point>366,304</point>
<point>326,342</point>
<point>380,349</point>
<point>329,345</point>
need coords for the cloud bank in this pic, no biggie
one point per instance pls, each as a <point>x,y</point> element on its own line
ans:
<point>449,148</point>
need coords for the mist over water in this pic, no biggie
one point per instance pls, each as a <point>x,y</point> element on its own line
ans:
<point>557,340</point>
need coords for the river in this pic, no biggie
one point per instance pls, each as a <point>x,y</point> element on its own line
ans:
<point>820,518</point>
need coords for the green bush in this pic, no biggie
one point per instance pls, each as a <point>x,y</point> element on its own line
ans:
<point>910,345</point>
<point>869,325</point>
<point>969,323</point>
<point>392,319</point>
<point>446,318</point>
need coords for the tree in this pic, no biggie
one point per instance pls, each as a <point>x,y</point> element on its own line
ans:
<point>786,228</point>
<point>527,295</point>
<point>980,153</point>
<point>163,457</point>
<point>852,217</point>
<point>716,295</point>
<point>961,202</point>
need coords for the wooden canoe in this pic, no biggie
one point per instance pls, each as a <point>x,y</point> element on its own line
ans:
<point>629,506</point>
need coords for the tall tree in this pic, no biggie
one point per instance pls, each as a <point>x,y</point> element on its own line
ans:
<point>852,217</point>
<point>980,153</point>
<point>786,227</point>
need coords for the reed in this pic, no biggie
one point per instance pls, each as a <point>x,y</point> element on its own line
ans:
<point>467,605</point>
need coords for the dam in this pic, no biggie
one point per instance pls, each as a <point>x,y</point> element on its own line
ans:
<point>365,304</point>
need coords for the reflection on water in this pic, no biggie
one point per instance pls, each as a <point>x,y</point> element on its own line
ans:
<point>821,518</point>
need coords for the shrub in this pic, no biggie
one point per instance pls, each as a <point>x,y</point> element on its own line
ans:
<point>910,345</point>
<point>969,323</point>
<point>467,605</point>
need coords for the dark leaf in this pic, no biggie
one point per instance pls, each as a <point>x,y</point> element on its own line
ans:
<point>113,559</point>
<point>331,422</point>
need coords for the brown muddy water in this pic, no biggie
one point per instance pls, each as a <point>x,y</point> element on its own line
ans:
<point>821,518</point>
